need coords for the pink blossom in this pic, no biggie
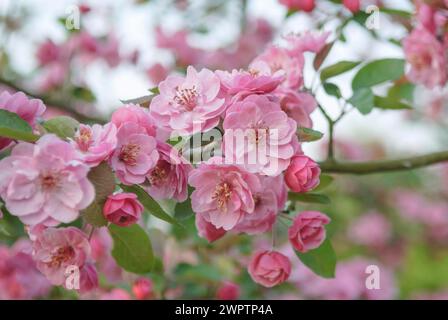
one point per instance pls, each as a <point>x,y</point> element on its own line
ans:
<point>123,209</point>
<point>44,182</point>
<point>308,230</point>
<point>53,76</point>
<point>136,154</point>
<point>259,135</point>
<point>116,294</point>
<point>95,143</point>
<point>228,291</point>
<point>371,229</point>
<point>101,244</point>
<point>297,105</point>
<point>88,278</point>
<point>207,230</point>
<point>279,59</point>
<point>352,5</point>
<point>27,109</point>
<point>169,178</point>
<point>426,56</point>
<point>224,193</point>
<point>305,5</point>
<point>189,104</point>
<point>269,268</point>
<point>259,79</point>
<point>157,73</point>
<point>268,202</point>
<point>307,42</point>
<point>143,289</point>
<point>302,174</point>
<point>56,249</point>
<point>135,114</point>
<point>48,52</point>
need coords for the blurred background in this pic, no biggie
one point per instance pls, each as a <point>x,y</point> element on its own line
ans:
<point>122,49</point>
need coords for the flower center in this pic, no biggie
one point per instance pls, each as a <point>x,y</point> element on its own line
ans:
<point>157,176</point>
<point>186,97</point>
<point>84,138</point>
<point>60,256</point>
<point>222,194</point>
<point>129,153</point>
<point>49,180</point>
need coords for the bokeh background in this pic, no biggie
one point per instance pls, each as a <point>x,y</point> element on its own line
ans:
<point>398,221</point>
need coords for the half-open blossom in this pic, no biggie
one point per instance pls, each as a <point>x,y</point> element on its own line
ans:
<point>302,174</point>
<point>169,178</point>
<point>27,109</point>
<point>44,182</point>
<point>136,154</point>
<point>426,55</point>
<point>56,249</point>
<point>190,104</point>
<point>269,268</point>
<point>207,230</point>
<point>259,135</point>
<point>123,209</point>
<point>143,289</point>
<point>268,202</point>
<point>308,230</point>
<point>95,143</point>
<point>297,105</point>
<point>223,193</point>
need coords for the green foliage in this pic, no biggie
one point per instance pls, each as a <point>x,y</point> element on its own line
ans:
<point>308,135</point>
<point>322,260</point>
<point>332,89</point>
<point>64,127</point>
<point>378,72</point>
<point>363,100</point>
<point>337,69</point>
<point>309,198</point>
<point>14,127</point>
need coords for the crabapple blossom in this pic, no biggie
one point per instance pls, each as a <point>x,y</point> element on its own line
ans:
<point>95,143</point>
<point>143,289</point>
<point>352,5</point>
<point>134,114</point>
<point>136,154</point>
<point>307,42</point>
<point>207,230</point>
<point>228,291</point>
<point>27,109</point>
<point>190,104</point>
<point>269,268</point>
<point>169,178</point>
<point>268,134</point>
<point>371,229</point>
<point>55,249</point>
<point>88,278</point>
<point>305,5</point>
<point>307,231</point>
<point>302,174</point>
<point>297,105</point>
<point>123,209</point>
<point>45,182</point>
<point>223,193</point>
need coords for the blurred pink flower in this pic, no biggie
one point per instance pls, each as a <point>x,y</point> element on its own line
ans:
<point>302,174</point>
<point>88,278</point>
<point>307,231</point>
<point>44,182</point>
<point>223,193</point>
<point>371,229</point>
<point>136,154</point>
<point>297,44</point>
<point>269,136</point>
<point>143,289</point>
<point>228,291</point>
<point>122,209</point>
<point>48,52</point>
<point>157,73</point>
<point>352,5</point>
<point>27,109</point>
<point>116,294</point>
<point>207,230</point>
<point>169,178</point>
<point>95,143</point>
<point>305,5</point>
<point>56,249</point>
<point>269,268</point>
<point>189,104</point>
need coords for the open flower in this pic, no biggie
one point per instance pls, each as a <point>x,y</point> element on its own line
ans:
<point>169,178</point>
<point>269,268</point>
<point>95,143</point>
<point>135,155</point>
<point>190,104</point>
<point>27,109</point>
<point>57,249</point>
<point>44,182</point>
<point>224,193</point>
<point>259,135</point>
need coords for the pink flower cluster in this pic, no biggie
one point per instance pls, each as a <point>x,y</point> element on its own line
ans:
<point>426,46</point>
<point>309,5</point>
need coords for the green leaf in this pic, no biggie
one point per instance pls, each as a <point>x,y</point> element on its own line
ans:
<point>143,101</point>
<point>103,180</point>
<point>404,91</point>
<point>325,181</point>
<point>332,89</point>
<point>309,197</point>
<point>150,204</point>
<point>308,135</point>
<point>322,260</point>
<point>14,127</point>
<point>397,12</point>
<point>377,72</point>
<point>322,55</point>
<point>154,90</point>
<point>390,104</point>
<point>363,100</point>
<point>290,13</point>
<point>63,126</point>
<point>201,272</point>
<point>337,69</point>
<point>84,94</point>
<point>132,248</point>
